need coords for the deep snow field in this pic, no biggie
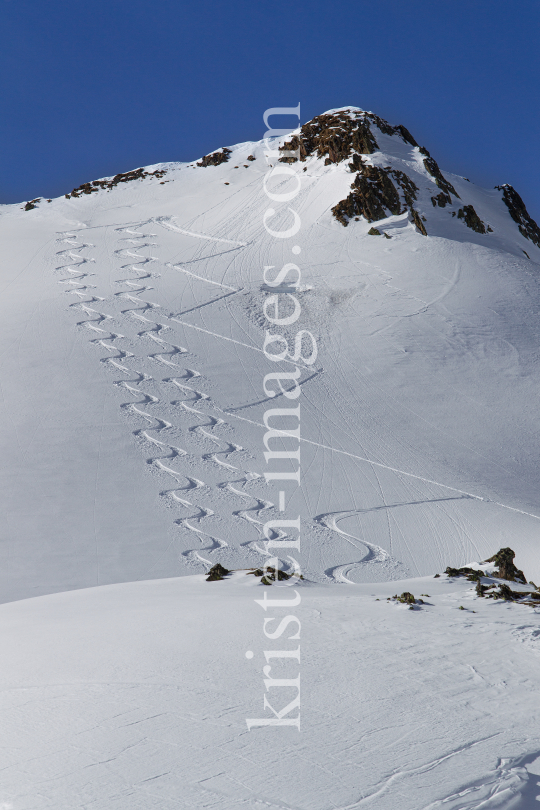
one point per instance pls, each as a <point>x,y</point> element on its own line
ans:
<point>132,437</point>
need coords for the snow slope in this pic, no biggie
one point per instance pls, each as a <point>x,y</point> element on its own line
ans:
<point>126,696</point>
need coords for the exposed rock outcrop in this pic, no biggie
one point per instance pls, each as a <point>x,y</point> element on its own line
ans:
<point>433,169</point>
<point>500,590</point>
<point>472,220</point>
<point>336,136</point>
<point>471,573</point>
<point>504,559</point>
<point>270,575</point>
<point>374,193</point>
<point>505,592</point>
<point>215,158</point>
<point>527,226</point>
<point>406,598</point>
<point>388,129</point>
<point>442,200</point>
<point>415,216</point>
<point>408,187</point>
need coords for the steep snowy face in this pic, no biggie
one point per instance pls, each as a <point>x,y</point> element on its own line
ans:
<point>393,175</point>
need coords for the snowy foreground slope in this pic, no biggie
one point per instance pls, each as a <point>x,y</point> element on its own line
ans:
<point>135,696</point>
<point>132,425</point>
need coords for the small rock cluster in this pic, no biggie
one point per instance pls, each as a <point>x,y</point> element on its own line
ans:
<point>268,575</point>
<point>98,185</point>
<point>442,200</point>
<point>504,559</point>
<point>216,573</point>
<point>406,598</point>
<point>377,232</point>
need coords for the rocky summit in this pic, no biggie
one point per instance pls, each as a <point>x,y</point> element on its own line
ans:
<point>378,191</point>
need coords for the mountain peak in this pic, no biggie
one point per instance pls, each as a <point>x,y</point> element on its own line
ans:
<point>393,174</point>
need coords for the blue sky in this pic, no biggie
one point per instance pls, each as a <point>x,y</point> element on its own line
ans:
<point>91,89</point>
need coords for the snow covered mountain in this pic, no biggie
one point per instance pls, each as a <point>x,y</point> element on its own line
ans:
<point>133,365</point>
<point>139,316</point>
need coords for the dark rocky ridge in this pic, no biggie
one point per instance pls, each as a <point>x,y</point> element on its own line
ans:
<point>472,220</point>
<point>527,226</point>
<point>432,168</point>
<point>127,177</point>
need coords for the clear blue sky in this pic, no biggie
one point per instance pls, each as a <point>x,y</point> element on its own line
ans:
<point>93,88</point>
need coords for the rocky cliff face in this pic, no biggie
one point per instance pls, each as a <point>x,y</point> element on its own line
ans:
<point>376,193</point>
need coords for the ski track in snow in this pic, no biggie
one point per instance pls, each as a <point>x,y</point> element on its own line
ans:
<point>136,245</point>
<point>375,554</point>
<point>168,456</point>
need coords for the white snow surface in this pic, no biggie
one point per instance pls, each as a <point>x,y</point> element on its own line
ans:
<point>132,437</point>
<point>136,696</point>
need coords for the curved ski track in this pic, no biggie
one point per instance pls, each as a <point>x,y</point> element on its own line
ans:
<point>156,435</point>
